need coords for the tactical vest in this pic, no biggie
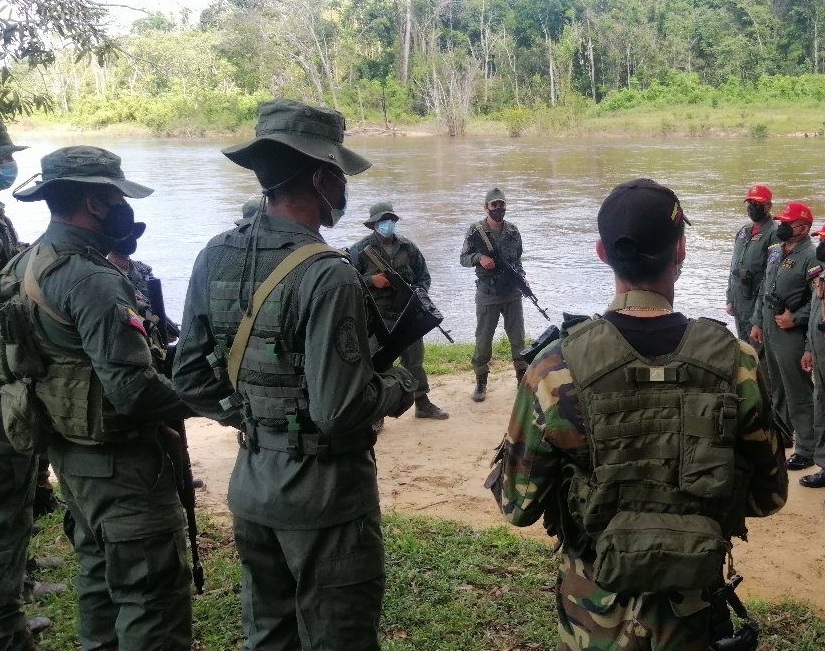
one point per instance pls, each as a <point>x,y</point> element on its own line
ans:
<point>271,387</point>
<point>663,491</point>
<point>66,385</point>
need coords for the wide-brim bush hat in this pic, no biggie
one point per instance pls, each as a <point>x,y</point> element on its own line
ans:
<point>82,164</point>
<point>379,211</point>
<point>317,132</point>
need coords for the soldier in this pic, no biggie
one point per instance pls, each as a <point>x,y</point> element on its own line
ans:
<point>813,361</point>
<point>405,258</point>
<point>276,345</point>
<point>495,292</point>
<point>105,402</point>
<point>637,432</point>
<point>781,323</point>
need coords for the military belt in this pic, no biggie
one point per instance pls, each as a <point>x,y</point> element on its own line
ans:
<point>301,444</point>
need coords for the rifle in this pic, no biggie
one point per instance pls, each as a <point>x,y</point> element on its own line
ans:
<point>506,269</point>
<point>746,638</point>
<point>398,283</point>
<point>178,444</point>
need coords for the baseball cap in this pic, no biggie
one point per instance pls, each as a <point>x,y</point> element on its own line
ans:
<point>759,194</point>
<point>640,217</point>
<point>494,194</point>
<point>795,212</point>
<point>82,164</point>
<point>317,132</point>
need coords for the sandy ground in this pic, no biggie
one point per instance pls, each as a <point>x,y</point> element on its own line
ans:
<point>437,468</point>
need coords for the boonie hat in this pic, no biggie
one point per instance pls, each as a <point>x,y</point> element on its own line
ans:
<point>82,164</point>
<point>317,132</point>
<point>6,145</point>
<point>759,194</point>
<point>640,217</point>
<point>796,212</point>
<point>378,211</point>
<point>494,194</point>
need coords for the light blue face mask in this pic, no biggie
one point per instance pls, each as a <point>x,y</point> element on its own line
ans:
<point>386,227</point>
<point>8,175</point>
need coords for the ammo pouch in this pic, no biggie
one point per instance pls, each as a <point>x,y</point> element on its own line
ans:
<point>659,552</point>
<point>25,420</point>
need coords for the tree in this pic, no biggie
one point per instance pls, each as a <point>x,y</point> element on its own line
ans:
<point>33,31</point>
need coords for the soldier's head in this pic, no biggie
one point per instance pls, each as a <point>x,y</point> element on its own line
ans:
<point>820,249</point>
<point>85,186</point>
<point>794,222</point>
<point>8,166</point>
<point>641,231</point>
<point>758,203</point>
<point>298,156</point>
<point>382,220</point>
<point>495,204</point>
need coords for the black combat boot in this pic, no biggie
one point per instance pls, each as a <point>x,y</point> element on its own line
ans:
<point>425,409</point>
<point>481,387</point>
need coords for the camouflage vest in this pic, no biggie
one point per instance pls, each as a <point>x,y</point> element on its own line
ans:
<point>663,492</point>
<point>63,380</point>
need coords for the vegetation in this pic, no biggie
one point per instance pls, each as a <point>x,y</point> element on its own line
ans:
<point>448,359</point>
<point>527,64</point>
<point>449,588</point>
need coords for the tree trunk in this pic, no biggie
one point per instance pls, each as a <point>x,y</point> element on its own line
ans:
<point>406,38</point>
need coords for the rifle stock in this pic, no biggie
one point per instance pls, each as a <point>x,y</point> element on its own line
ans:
<point>177,445</point>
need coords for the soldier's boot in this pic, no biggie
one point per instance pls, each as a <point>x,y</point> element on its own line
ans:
<point>520,371</point>
<point>45,502</point>
<point>18,641</point>
<point>481,387</point>
<point>42,589</point>
<point>38,624</point>
<point>425,409</point>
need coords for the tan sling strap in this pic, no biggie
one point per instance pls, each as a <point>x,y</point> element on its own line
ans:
<point>287,265</point>
<point>377,260</point>
<point>485,238</point>
<point>32,289</point>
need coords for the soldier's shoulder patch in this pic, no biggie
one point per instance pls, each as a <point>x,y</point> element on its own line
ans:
<point>132,318</point>
<point>813,272</point>
<point>346,341</point>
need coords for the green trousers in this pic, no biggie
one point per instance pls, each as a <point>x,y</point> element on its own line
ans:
<point>17,481</point>
<point>134,583</point>
<point>817,344</point>
<point>314,589</point>
<point>783,352</point>
<point>412,359</point>
<point>486,323</point>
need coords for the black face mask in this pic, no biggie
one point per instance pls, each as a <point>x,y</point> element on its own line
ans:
<point>125,247</point>
<point>756,211</point>
<point>820,251</point>
<point>784,232</point>
<point>496,214</point>
<point>119,222</point>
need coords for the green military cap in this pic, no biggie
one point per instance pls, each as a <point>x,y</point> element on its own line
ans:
<point>317,132</point>
<point>378,211</point>
<point>6,145</point>
<point>494,194</point>
<point>82,164</point>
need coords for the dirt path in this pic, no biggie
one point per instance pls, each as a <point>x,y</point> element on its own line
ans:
<point>436,468</point>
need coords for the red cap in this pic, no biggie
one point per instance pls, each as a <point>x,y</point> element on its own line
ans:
<point>820,232</point>
<point>759,194</point>
<point>796,212</point>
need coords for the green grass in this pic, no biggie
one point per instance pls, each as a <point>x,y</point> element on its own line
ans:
<point>449,359</point>
<point>449,588</point>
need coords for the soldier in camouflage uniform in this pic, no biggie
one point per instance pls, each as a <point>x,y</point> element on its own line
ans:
<point>629,392</point>
<point>781,323</point>
<point>405,258</point>
<point>495,293</point>
<point>297,379</point>
<point>106,403</point>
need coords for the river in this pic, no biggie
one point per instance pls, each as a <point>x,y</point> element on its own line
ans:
<point>554,188</point>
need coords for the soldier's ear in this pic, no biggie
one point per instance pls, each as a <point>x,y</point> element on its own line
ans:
<point>680,250</point>
<point>601,252</point>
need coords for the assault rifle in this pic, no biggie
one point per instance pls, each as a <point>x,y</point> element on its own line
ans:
<point>506,269</point>
<point>401,286</point>
<point>747,637</point>
<point>177,446</point>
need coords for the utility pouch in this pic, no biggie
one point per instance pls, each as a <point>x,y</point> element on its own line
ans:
<point>659,552</point>
<point>25,420</point>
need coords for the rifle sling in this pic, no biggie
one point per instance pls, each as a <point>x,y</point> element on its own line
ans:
<point>487,241</point>
<point>287,266</point>
<point>32,289</point>
<point>376,259</point>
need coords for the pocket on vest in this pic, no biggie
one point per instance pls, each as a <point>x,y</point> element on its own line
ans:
<point>659,552</point>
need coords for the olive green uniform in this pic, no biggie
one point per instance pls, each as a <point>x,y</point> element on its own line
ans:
<point>747,272</point>
<point>787,278</point>
<point>816,345</point>
<point>304,491</point>
<point>406,259</point>
<point>495,293</point>
<point>106,401</point>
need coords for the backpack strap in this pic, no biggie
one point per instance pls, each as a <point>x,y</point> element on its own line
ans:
<point>287,266</point>
<point>32,289</point>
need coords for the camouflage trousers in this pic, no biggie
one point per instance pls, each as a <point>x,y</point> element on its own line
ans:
<point>593,619</point>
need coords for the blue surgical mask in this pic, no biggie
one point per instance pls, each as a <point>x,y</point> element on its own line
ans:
<point>8,175</point>
<point>386,227</point>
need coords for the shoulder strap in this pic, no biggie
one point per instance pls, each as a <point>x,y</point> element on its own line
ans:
<point>31,287</point>
<point>484,238</point>
<point>287,265</point>
<point>376,259</point>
